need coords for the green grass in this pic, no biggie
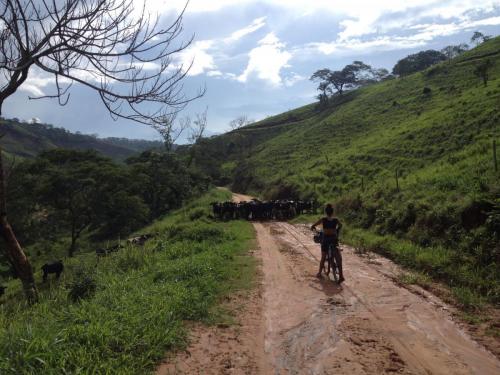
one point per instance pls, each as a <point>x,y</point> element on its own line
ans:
<point>414,278</point>
<point>136,302</point>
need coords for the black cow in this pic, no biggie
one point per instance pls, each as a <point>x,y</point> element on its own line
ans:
<point>55,267</point>
<point>102,252</point>
<point>140,240</point>
<point>217,210</point>
<point>2,290</point>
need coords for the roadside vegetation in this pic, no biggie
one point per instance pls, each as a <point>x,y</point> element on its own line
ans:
<point>121,313</point>
<point>69,201</point>
<point>408,162</point>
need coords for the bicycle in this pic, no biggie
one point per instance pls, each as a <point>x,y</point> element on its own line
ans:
<point>330,264</point>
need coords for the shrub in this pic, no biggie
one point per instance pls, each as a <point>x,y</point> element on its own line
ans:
<point>83,285</point>
<point>196,214</point>
<point>197,231</point>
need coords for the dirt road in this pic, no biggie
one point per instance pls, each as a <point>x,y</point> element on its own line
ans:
<point>295,323</point>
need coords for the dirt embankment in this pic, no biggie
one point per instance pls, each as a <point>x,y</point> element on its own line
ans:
<point>294,323</point>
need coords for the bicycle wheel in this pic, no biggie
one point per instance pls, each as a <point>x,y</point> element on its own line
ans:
<point>332,265</point>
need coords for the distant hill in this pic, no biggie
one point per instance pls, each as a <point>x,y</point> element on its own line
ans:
<point>28,140</point>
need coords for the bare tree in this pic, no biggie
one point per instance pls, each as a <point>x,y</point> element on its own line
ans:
<point>454,50</point>
<point>170,129</point>
<point>239,122</point>
<point>108,46</point>
<point>199,127</point>
<point>197,133</point>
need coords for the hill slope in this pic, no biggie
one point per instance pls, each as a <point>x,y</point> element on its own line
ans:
<point>438,141</point>
<point>28,140</point>
<point>373,131</point>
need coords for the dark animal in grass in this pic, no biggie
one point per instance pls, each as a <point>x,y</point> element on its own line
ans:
<point>101,252</point>
<point>55,267</point>
<point>139,240</point>
<point>2,290</point>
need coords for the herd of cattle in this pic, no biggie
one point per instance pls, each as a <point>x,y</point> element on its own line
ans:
<point>262,210</point>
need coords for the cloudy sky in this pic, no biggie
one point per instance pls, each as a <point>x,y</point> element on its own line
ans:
<point>255,57</point>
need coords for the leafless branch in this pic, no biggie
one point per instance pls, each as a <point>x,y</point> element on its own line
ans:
<point>101,44</point>
<point>199,127</point>
<point>170,129</point>
<point>239,122</point>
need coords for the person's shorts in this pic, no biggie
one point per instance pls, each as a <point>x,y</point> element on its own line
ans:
<point>327,242</point>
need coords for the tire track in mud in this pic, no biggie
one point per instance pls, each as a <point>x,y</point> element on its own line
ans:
<point>418,337</point>
<point>326,339</point>
<point>399,343</point>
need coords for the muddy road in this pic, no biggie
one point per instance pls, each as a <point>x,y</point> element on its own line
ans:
<point>294,323</point>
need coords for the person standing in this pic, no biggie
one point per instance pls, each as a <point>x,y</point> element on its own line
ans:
<point>331,230</point>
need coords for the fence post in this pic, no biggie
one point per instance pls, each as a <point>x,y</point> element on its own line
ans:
<point>397,180</point>
<point>495,163</point>
<point>362,183</point>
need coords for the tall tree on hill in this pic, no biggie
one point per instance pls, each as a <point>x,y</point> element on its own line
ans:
<point>478,38</point>
<point>102,45</point>
<point>239,122</point>
<point>417,62</point>
<point>483,71</point>
<point>197,133</point>
<point>351,76</point>
<point>453,51</point>
<point>170,129</point>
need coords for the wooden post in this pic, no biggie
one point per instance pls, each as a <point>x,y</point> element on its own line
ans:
<point>362,183</point>
<point>397,180</point>
<point>495,163</point>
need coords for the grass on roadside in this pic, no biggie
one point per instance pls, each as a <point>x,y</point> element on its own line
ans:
<point>121,313</point>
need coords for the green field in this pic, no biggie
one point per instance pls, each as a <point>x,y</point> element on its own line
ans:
<point>121,313</point>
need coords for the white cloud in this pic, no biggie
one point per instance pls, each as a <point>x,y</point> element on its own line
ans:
<point>424,33</point>
<point>293,79</point>
<point>149,65</point>
<point>214,73</point>
<point>197,56</point>
<point>256,24</point>
<point>266,60</point>
<point>200,54</point>
<point>492,21</point>
<point>360,17</point>
<point>161,6</point>
<point>358,46</point>
<point>36,83</point>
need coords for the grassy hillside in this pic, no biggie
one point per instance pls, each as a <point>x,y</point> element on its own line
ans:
<point>121,313</point>
<point>434,129</point>
<point>28,140</point>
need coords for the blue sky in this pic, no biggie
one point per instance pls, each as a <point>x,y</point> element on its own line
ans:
<point>255,57</point>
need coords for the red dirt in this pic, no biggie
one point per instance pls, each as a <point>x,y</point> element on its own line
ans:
<point>294,323</point>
